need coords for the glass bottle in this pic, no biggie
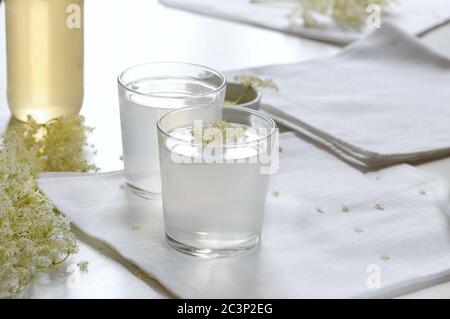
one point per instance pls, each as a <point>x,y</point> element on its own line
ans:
<point>44,43</point>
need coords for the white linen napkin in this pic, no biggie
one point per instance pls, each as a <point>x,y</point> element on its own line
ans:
<point>415,16</point>
<point>310,248</point>
<point>381,101</point>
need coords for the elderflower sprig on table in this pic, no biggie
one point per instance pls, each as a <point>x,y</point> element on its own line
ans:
<point>351,13</point>
<point>34,236</point>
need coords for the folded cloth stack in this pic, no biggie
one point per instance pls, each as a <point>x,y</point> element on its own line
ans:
<point>414,16</point>
<point>330,231</point>
<point>381,101</point>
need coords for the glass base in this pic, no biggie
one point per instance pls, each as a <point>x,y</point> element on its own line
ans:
<point>143,193</point>
<point>210,253</point>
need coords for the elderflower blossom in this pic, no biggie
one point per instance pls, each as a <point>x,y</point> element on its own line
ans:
<point>352,13</point>
<point>385,255</point>
<point>34,236</point>
<point>220,133</point>
<point>136,227</point>
<point>249,82</point>
<point>345,208</point>
<point>358,228</point>
<point>83,266</point>
<point>256,81</point>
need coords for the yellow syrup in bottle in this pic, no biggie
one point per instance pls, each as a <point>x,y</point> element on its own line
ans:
<point>44,41</point>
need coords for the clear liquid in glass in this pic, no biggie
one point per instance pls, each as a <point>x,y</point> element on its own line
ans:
<point>139,114</point>
<point>212,206</point>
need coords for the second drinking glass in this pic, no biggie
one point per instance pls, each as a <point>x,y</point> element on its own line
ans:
<point>215,167</point>
<point>146,92</point>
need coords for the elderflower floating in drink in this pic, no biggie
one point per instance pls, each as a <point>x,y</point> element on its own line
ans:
<point>215,167</point>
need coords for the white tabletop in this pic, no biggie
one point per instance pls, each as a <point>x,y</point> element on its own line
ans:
<point>121,33</point>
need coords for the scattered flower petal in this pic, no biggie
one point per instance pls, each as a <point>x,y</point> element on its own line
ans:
<point>385,255</point>
<point>83,266</point>
<point>359,229</point>
<point>136,227</point>
<point>345,208</point>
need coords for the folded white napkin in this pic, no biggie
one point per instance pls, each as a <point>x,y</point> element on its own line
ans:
<point>311,246</point>
<point>381,101</point>
<point>415,16</point>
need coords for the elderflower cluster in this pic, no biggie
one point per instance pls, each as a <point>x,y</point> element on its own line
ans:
<point>34,236</point>
<point>255,81</point>
<point>220,133</point>
<point>351,13</point>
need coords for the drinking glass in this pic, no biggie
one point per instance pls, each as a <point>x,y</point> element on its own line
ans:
<point>146,92</point>
<point>214,193</point>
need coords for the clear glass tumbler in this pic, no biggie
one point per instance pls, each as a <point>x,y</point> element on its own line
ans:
<point>146,92</point>
<point>214,186</point>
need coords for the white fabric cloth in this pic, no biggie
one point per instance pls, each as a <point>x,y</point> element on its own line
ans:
<point>415,16</point>
<point>303,253</point>
<point>382,100</point>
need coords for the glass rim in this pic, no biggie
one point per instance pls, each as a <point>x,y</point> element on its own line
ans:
<point>125,87</point>
<point>265,117</point>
